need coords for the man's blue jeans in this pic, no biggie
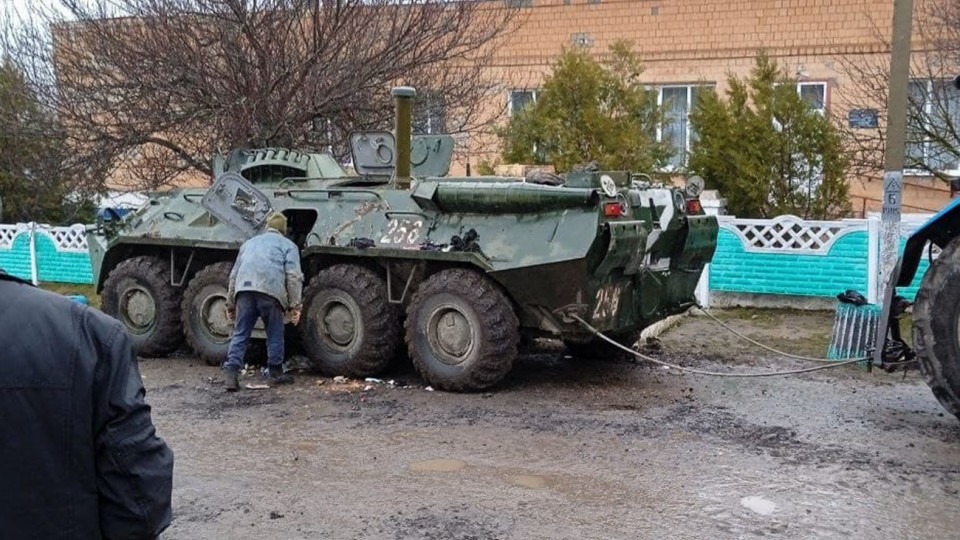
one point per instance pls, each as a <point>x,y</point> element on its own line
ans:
<point>251,306</point>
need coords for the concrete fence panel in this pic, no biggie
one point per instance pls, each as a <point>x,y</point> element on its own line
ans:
<point>44,253</point>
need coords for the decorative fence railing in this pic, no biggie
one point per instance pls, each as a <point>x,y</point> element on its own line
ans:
<point>44,253</point>
<point>785,256</point>
<point>790,256</point>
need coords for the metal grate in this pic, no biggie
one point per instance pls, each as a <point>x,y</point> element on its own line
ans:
<point>854,329</point>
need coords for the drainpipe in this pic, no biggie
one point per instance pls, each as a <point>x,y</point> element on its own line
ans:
<point>404,97</point>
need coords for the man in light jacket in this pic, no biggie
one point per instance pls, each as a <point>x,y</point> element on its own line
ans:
<point>265,282</point>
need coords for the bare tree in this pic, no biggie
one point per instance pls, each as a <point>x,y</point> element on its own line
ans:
<point>933,129</point>
<point>147,90</point>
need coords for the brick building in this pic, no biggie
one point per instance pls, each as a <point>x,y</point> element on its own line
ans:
<point>686,44</point>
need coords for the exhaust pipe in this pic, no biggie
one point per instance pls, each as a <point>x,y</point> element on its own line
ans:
<point>404,96</point>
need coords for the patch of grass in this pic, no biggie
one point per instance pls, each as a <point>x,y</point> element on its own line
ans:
<point>814,345</point>
<point>87,290</point>
<point>906,328</point>
<point>766,318</point>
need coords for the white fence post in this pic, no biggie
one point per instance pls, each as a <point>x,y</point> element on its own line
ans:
<point>873,259</point>
<point>712,206</point>
<point>702,292</point>
<point>33,253</point>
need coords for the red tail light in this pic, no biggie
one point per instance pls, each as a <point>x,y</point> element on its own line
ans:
<point>694,206</point>
<point>614,209</point>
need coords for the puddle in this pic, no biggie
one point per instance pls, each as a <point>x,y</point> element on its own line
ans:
<point>758,505</point>
<point>531,481</point>
<point>437,465</point>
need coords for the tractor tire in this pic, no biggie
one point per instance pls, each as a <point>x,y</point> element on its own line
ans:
<point>138,293</point>
<point>936,336</point>
<point>598,349</point>
<point>204,313</point>
<point>477,345</point>
<point>348,325</point>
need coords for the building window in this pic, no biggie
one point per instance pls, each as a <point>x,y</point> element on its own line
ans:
<point>814,93</point>
<point>519,99</point>
<point>934,108</point>
<point>430,114</point>
<point>677,101</point>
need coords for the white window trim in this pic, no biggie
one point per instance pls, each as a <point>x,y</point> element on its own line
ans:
<point>512,91</point>
<point>826,92</point>
<point>329,137</point>
<point>826,88</point>
<point>429,123</point>
<point>927,108</point>
<point>689,87</point>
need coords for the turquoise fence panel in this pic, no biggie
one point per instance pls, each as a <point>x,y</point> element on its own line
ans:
<point>734,269</point>
<point>61,253</point>
<point>16,259</point>
<point>61,266</point>
<point>910,293</point>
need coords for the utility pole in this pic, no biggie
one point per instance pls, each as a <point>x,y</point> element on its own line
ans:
<point>893,163</point>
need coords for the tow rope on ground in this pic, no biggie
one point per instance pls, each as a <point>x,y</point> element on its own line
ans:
<point>789,355</point>
<point>761,345</point>
<point>641,356</point>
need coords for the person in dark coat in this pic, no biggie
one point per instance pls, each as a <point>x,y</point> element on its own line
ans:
<point>79,457</point>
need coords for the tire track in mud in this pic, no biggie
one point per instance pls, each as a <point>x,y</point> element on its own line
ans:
<point>410,408</point>
<point>620,448</point>
<point>706,421</point>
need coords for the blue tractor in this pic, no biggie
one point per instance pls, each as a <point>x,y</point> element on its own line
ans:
<point>936,310</point>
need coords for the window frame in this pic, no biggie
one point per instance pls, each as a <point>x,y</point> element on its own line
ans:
<point>427,98</point>
<point>533,93</point>
<point>686,126</point>
<point>927,108</point>
<point>826,92</point>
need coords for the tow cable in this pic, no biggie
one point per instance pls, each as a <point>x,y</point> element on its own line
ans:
<point>761,345</point>
<point>832,364</point>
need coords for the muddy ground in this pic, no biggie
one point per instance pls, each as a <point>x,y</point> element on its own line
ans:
<point>569,449</point>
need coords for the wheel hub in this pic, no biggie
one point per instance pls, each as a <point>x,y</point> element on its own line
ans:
<point>339,324</point>
<point>450,334</point>
<point>138,309</point>
<point>213,311</point>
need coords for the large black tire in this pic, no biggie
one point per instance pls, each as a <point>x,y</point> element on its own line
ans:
<point>204,315</point>
<point>598,349</point>
<point>482,331</point>
<point>138,293</point>
<point>348,326</point>
<point>936,336</point>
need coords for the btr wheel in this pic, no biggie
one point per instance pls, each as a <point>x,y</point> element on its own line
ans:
<point>138,293</point>
<point>204,313</point>
<point>349,327</point>
<point>936,327</point>
<point>462,332</point>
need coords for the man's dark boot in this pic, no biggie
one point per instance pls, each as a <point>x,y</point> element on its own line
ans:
<point>231,380</point>
<point>277,376</point>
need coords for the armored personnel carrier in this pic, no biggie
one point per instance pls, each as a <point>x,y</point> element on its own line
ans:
<point>455,268</point>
